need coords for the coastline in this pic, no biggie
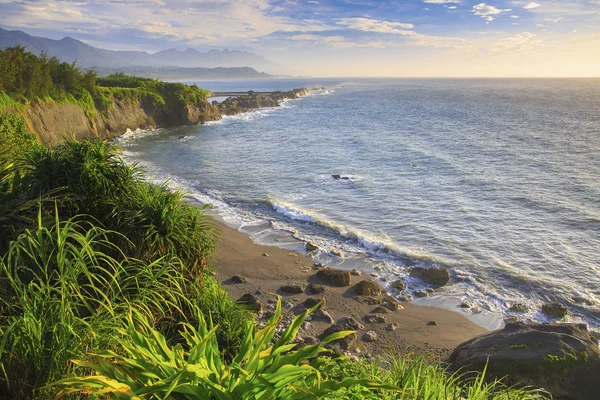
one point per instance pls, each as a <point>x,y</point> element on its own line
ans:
<point>238,255</point>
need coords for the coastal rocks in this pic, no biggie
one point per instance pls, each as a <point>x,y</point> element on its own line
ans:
<point>369,336</point>
<point>334,277</point>
<point>345,343</point>
<point>292,289</point>
<point>355,272</point>
<point>367,288</point>
<point>519,307</point>
<point>337,253</point>
<point>375,319</point>
<point>313,301</point>
<point>310,246</point>
<point>421,293</point>
<point>323,316</point>
<point>398,285</point>
<point>433,323</point>
<point>391,303</point>
<point>350,323</point>
<point>380,310</point>
<point>243,103</point>
<point>561,358</point>
<point>313,288</point>
<point>370,300</point>
<point>237,279</point>
<point>251,301</point>
<point>392,327</point>
<point>434,276</point>
<point>555,309</point>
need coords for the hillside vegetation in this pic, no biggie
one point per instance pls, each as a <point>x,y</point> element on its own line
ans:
<point>107,290</point>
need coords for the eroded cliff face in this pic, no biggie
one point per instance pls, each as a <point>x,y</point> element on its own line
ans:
<point>53,123</point>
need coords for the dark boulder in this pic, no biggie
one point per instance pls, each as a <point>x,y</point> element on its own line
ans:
<point>251,301</point>
<point>435,276</point>
<point>375,318</point>
<point>313,301</point>
<point>561,358</point>
<point>399,285</point>
<point>367,288</point>
<point>237,279</point>
<point>292,289</point>
<point>315,289</point>
<point>323,316</point>
<point>556,310</point>
<point>334,277</point>
<point>346,343</point>
<point>350,323</point>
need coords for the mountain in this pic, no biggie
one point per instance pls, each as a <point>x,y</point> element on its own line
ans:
<point>179,73</point>
<point>69,49</point>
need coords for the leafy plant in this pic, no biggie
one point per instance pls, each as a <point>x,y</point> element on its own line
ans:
<point>262,369</point>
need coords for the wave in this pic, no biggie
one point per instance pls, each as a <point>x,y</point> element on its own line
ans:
<point>130,135</point>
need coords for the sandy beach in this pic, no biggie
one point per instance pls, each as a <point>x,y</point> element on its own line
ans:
<point>267,268</point>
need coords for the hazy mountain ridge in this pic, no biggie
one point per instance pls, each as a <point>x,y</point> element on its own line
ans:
<point>69,49</point>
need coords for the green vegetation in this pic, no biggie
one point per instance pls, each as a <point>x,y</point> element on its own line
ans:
<point>100,266</point>
<point>567,361</point>
<point>525,346</point>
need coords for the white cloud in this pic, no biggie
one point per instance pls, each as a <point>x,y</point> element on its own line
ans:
<point>515,16</point>
<point>488,12</point>
<point>441,1</point>
<point>373,25</point>
<point>524,41</point>
<point>531,6</point>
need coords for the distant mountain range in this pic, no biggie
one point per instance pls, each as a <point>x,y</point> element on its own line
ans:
<point>86,56</point>
<point>175,73</point>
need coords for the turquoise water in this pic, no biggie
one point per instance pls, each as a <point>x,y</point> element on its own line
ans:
<point>496,180</point>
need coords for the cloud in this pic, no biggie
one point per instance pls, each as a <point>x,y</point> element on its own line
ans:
<point>531,6</point>
<point>488,12</point>
<point>373,25</point>
<point>524,41</point>
<point>442,1</point>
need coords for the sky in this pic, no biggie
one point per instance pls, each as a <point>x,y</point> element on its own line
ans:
<point>432,38</point>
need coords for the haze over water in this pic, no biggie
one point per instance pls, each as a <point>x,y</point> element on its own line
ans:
<point>495,179</point>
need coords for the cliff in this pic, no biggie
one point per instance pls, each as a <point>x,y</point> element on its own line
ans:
<point>52,123</point>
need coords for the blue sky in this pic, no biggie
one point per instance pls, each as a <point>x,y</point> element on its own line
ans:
<point>330,37</point>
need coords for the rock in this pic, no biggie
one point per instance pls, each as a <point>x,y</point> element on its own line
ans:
<point>421,293</point>
<point>313,301</point>
<point>265,254</point>
<point>430,290</point>
<point>370,300</point>
<point>292,289</point>
<point>315,289</point>
<point>368,288</point>
<point>555,309</point>
<point>350,323</point>
<point>465,304</point>
<point>347,343</point>
<point>237,279</point>
<point>355,272</point>
<point>309,340</point>
<point>336,176</point>
<point>287,304</point>
<point>435,276</point>
<point>399,285</point>
<point>392,327</point>
<point>391,303</point>
<point>519,307</point>
<point>405,297</point>
<point>251,301</point>
<point>369,336</point>
<point>310,246</point>
<point>318,265</point>
<point>381,310</point>
<point>338,253</point>
<point>433,323</point>
<point>323,316</point>
<point>561,358</point>
<point>334,277</point>
<point>375,318</point>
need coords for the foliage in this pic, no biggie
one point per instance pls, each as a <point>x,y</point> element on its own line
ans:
<point>263,368</point>
<point>61,291</point>
<point>418,378</point>
<point>15,138</point>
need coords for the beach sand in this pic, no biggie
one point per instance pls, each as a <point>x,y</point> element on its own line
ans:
<point>238,255</point>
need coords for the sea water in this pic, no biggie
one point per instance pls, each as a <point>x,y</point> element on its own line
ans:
<point>496,180</point>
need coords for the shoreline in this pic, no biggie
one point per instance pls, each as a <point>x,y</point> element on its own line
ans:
<point>238,255</point>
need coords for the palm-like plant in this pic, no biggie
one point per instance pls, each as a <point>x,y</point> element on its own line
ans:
<point>262,369</point>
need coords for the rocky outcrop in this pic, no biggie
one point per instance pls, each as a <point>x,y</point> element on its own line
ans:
<point>52,123</point>
<point>435,276</point>
<point>561,358</point>
<point>334,277</point>
<point>368,288</point>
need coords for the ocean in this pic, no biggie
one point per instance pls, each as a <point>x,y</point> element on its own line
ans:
<point>495,179</point>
